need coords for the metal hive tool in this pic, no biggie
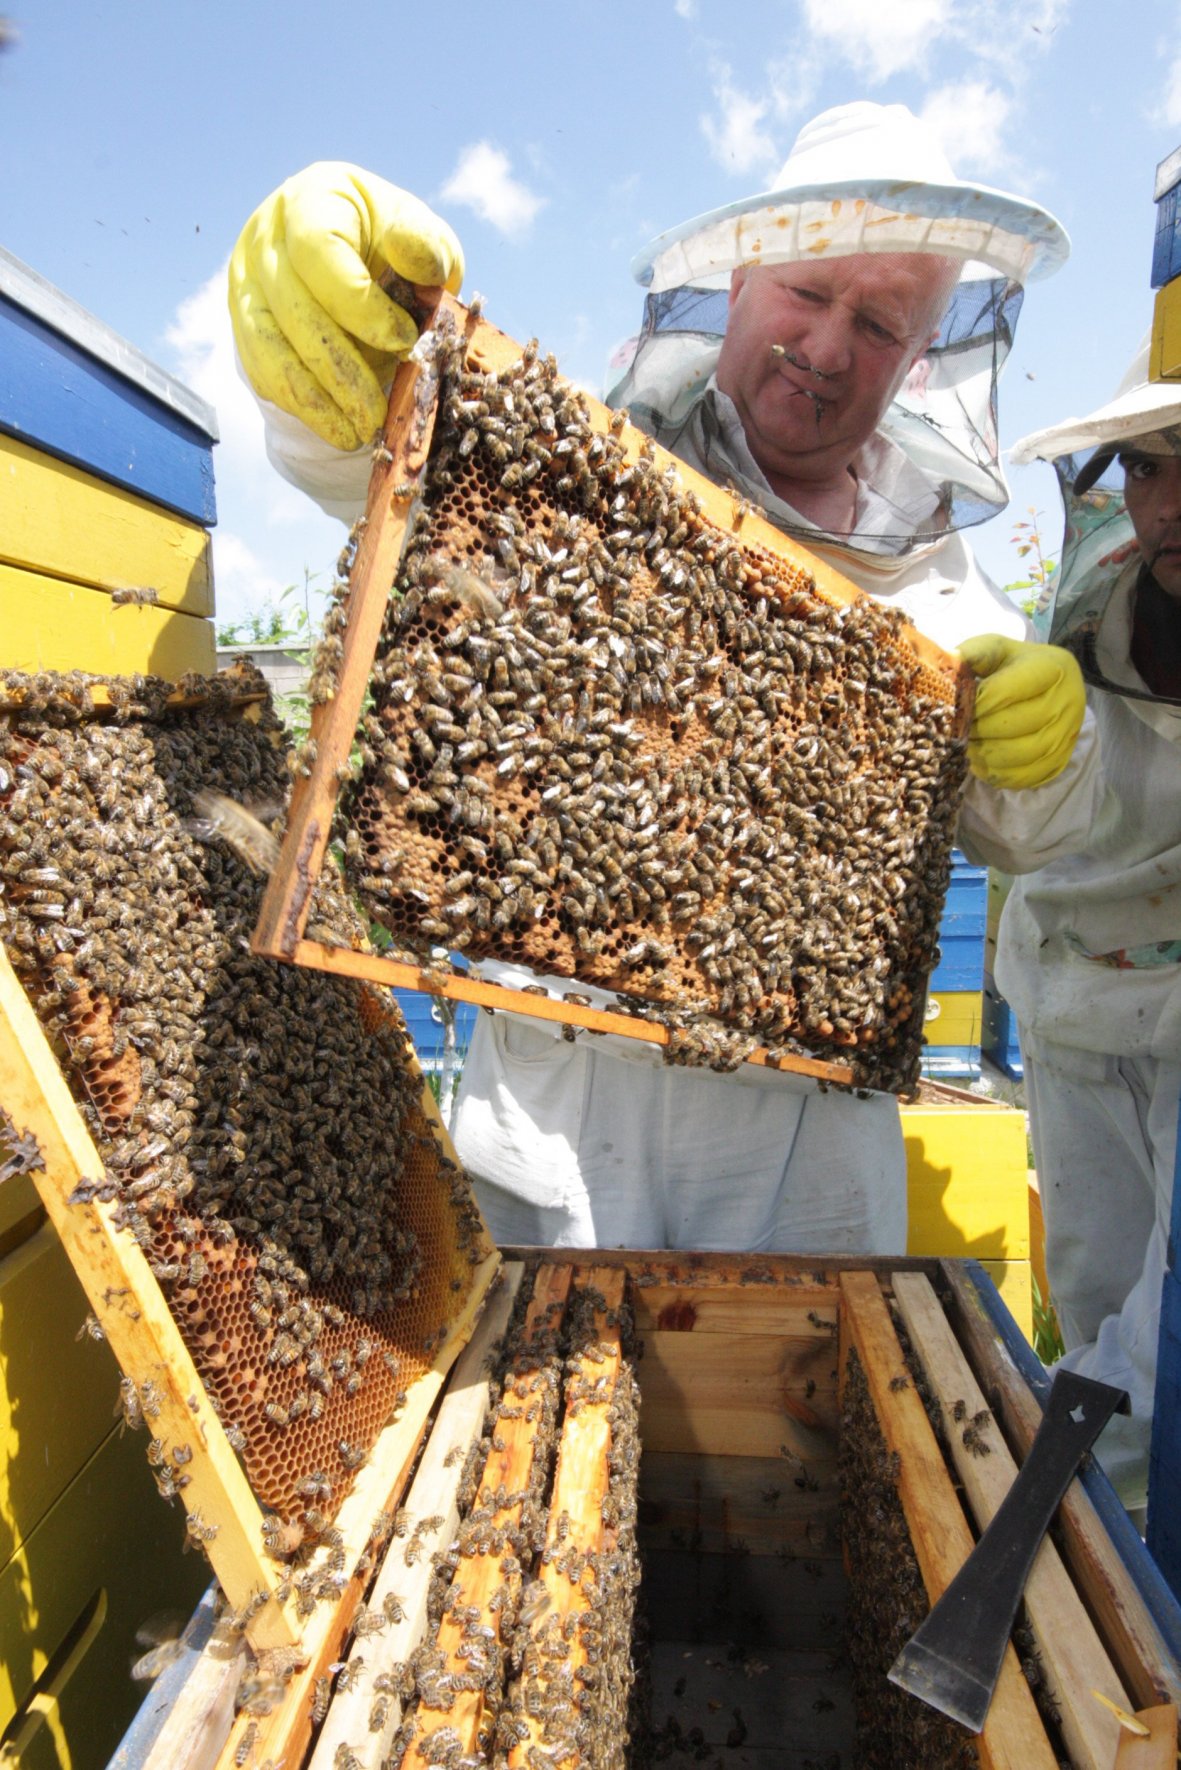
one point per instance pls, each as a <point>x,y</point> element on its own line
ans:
<point>622,731</point>
<point>261,1133</point>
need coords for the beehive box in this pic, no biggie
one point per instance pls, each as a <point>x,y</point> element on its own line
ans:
<point>810,1474</point>
<point>620,729</point>
<point>106,469</point>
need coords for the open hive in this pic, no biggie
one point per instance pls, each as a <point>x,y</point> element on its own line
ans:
<point>733,1592</point>
<point>254,1161</point>
<point>791,1510</point>
<point>621,730</point>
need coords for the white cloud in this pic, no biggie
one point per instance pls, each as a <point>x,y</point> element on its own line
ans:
<point>685,8</point>
<point>971,120</point>
<point>268,535</point>
<point>483,181</point>
<point>736,137</point>
<point>1169,111</point>
<point>878,37</point>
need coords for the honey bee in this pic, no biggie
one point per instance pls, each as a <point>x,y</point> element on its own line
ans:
<point>218,816</point>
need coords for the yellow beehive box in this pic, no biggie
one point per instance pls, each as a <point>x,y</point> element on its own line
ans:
<point>106,483</point>
<point>968,1190</point>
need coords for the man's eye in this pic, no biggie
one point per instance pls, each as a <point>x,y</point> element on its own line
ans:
<point>879,333</point>
<point>1140,469</point>
<point>807,295</point>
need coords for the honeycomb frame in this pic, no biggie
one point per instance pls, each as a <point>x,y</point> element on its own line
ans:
<point>180,1336</point>
<point>645,960</point>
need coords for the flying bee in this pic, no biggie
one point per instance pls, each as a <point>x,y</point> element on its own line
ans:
<point>219,816</point>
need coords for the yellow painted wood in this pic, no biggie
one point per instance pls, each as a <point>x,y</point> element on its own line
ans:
<point>966,1180</point>
<point>1037,1237</point>
<point>106,1549</point>
<point>46,624</point>
<point>126,1298</point>
<point>1014,1280</point>
<point>20,1210</point>
<point>1165,355</point>
<point>954,1017</point>
<point>68,524</point>
<point>57,1392</point>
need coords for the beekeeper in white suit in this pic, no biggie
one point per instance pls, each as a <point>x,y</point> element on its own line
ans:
<point>830,348</point>
<point>1089,952</point>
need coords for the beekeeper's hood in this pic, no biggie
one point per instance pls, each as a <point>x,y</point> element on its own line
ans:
<point>1099,554</point>
<point>860,178</point>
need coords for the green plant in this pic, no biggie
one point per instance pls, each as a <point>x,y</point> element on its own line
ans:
<point>287,622</point>
<point>1035,591</point>
<point>1047,1335</point>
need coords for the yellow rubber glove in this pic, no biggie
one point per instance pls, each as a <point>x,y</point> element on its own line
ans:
<point>314,331</point>
<point>1029,707</point>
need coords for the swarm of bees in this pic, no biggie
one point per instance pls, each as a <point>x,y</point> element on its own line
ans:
<point>260,1127</point>
<point>609,740</point>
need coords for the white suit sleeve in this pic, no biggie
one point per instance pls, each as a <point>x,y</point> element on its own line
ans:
<point>336,479</point>
<point>1021,829</point>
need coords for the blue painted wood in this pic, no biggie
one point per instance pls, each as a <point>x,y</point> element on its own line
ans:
<point>942,1061</point>
<point>136,1745</point>
<point>59,398</point>
<point>962,928</point>
<point>1163,1534</point>
<point>961,962</point>
<point>1146,1576</point>
<point>1166,246</point>
<point>999,1033</point>
<point>424,1023</point>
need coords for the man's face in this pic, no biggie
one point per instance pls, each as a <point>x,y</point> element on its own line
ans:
<point>815,352</point>
<point>1152,492</point>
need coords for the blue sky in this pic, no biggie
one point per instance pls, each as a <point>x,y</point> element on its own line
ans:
<point>136,139</point>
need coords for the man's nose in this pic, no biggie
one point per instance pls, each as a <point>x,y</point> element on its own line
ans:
<point>1169,499</point>
<point>829,340</point>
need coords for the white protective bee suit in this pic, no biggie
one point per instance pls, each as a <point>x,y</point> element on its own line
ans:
<point>1089,956</point>
<point>595,1140</point>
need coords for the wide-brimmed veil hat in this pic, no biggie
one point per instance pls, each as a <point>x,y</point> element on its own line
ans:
<point>861,178</point>
<point>1140,410</point>
<point>1099,555</point>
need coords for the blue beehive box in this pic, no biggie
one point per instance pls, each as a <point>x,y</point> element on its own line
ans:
<point>954,994</point>
<point>1000,1040</point>
<point>962,929</point>
<point>425,1020</point>
<point>1166,246</point>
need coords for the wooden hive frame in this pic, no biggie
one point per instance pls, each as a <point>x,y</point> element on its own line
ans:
<point>395,486</point>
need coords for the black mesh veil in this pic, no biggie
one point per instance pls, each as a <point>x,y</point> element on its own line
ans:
<point>1100,559</point>
<point>943,420</point>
